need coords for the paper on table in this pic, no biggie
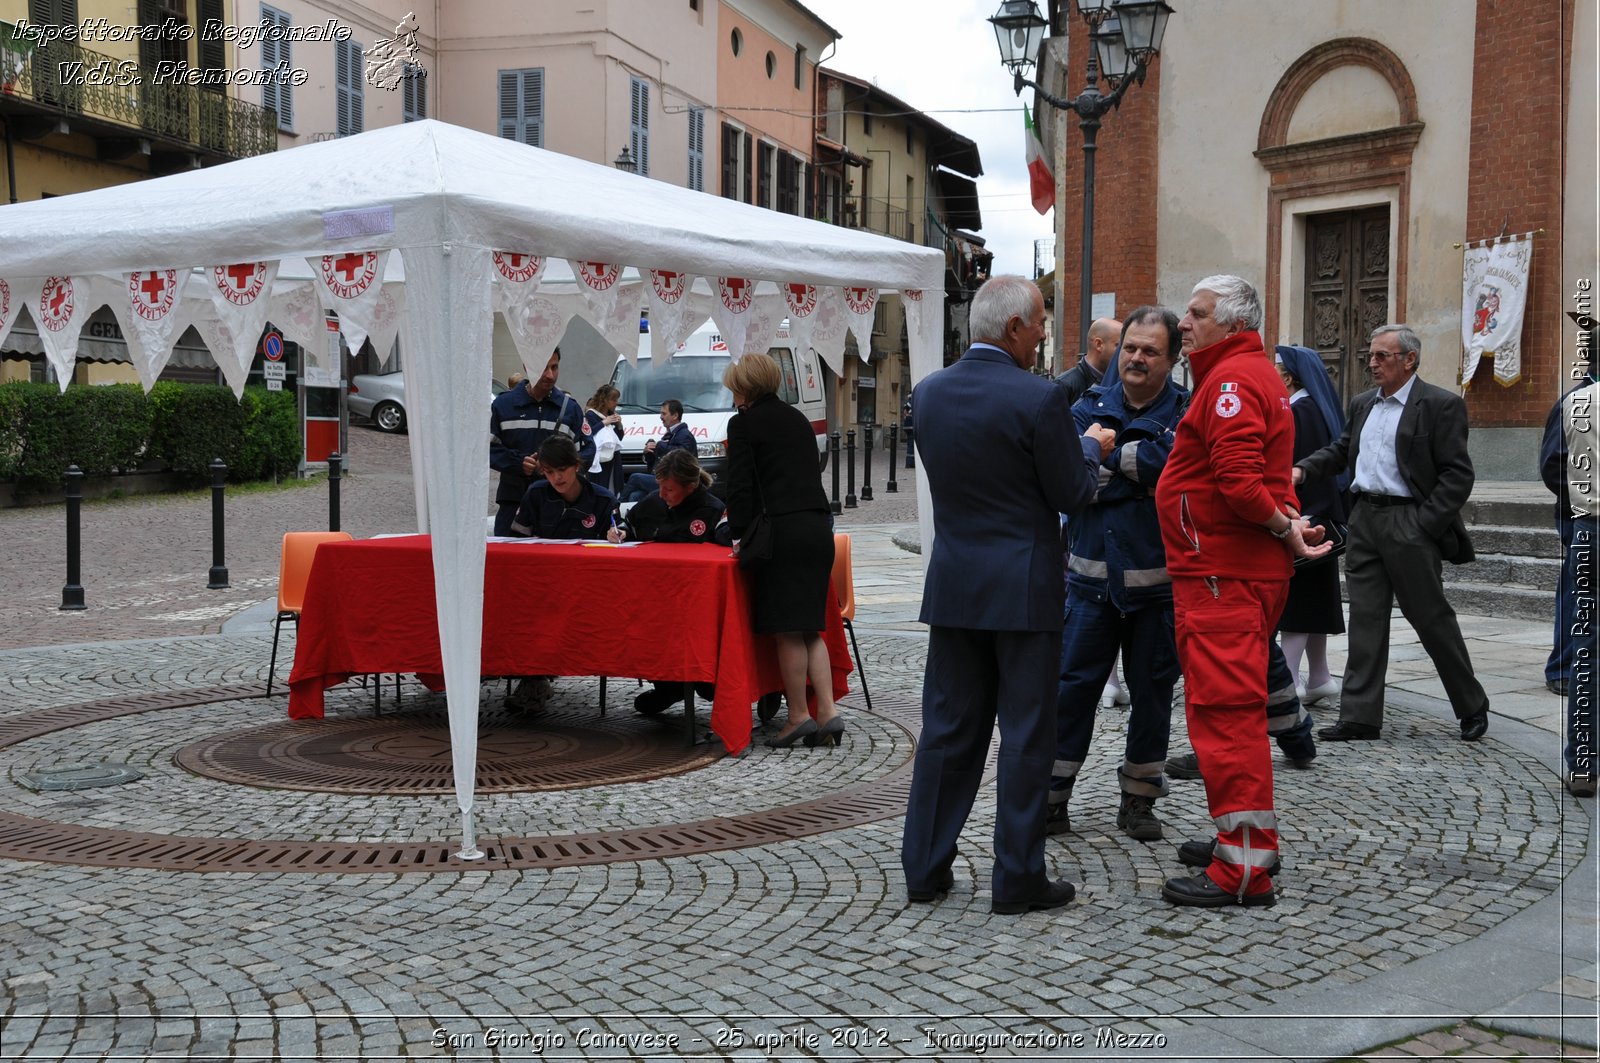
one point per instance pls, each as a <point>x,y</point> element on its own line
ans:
<point>536,539</point>
<point>612,546</point>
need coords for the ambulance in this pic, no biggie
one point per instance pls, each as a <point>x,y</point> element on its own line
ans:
<point>693,376</point>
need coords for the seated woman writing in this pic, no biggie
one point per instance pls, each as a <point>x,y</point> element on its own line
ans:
<point>563,505</point>
<point>683,512</point>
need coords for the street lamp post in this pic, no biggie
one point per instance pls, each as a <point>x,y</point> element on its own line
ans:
<point>626,163</point>
<point>1125,35</point>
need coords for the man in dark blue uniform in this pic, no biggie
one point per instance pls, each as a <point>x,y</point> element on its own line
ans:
<point>1004,461</point>
<point>521,419</point>
<point>677,436</point>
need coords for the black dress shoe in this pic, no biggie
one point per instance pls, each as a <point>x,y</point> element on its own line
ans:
<point>1058,820</point>
<point>1556,686</point>
<point>1474,727</point>
<point>1056,892</point>
<point>1198,853</point>
<point>1344,731</point>
<point>941,884</point>
<point>1200,892</point>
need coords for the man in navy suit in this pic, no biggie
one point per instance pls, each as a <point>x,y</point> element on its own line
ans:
<point>1003,459</point>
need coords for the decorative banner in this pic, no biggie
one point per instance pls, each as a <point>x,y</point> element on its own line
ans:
<point>8,309</point>
<point>597,283</point>
<point>59,309</point>
<point>671,317</point>
<point>516,279</point>
<point>621,326</point>
<point>386,319</point>
<point>536,331</point>
<point>298,314</point>
<point>223,343</point>
<point>1494,291</point>
<point>350,284</point>
<point>763,321</point>
<point>154,299</point>
<point>859,303</point>
<point>731,309</point>
<point>801,302</point>
<point>915,308</point>
<point>829,327</point>
<point>241,296</point>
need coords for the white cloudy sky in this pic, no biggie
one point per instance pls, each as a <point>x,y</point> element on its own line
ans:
<point>939,56</point>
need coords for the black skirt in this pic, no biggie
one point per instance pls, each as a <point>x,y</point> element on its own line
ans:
<point>791,590</point>
<point>1314,607</point>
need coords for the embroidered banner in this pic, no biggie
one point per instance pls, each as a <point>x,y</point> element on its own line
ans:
<point>1494,293</point>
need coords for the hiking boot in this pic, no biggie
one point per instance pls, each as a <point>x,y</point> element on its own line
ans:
<point>1059,821</point>
<point>1137,818</point>
<point>1184,767</point>
<point>1197,853</point>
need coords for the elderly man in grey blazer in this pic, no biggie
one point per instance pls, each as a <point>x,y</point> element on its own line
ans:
<point>1406,444</point>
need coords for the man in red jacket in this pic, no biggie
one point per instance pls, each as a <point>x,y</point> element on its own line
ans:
<point>1231,526</point>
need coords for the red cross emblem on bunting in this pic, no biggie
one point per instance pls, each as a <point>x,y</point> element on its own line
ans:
<point>56,301</point>
<point>668,286</point>
<point>599,275</point>
<point>914,294</point>
<point>5,303</point>
<point>737,293</point>
<point>515,266</point>
<point>861,300</point>
<point>152,292</point>
<point>801,299</point>
<point>350,274</point>
<point>241,282</point>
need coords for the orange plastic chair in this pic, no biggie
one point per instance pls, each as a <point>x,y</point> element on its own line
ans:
<point>294,569</point>
<point>844,588</point>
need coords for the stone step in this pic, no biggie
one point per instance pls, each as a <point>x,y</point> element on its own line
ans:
<point>1536,573</point>
<point>1509,600</point>
<point>1515,540</point>
<point>1511,512</point>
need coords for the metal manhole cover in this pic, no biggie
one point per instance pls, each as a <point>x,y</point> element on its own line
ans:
<point>411,754</point>
<point>80,777</point>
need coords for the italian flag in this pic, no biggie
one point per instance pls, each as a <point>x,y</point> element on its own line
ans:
<point>1041,182</point>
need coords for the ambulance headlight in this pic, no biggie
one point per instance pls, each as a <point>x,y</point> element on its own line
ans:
<point>713,450</point>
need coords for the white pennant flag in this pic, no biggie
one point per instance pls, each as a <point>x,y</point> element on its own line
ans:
<point>222,342</point>
<point>241,297</point>
<point>350,283</point>
<point>537,330</point>
<point>9,301</point>
<point>600,285</point>
<point>916,310</point>
<point>671,313</point>
<point>154,302</point>
<point>296,311</point>
<point>731,311</point>
<point>516,280</point>
<point>621,325</point>
<point>800,300</point>
<point>1494,293</point>
<point>859,304</point>
<point>386,319</point>
<point>829,328</point>
<point>763,321</point>
<point>60,306</point>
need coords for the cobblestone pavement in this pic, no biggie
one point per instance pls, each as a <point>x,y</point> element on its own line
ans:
<point>1438,898</point>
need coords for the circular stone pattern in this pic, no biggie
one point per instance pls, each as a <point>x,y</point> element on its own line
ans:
<point>556,750</point>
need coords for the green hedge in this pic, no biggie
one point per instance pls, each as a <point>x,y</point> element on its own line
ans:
<point>117,428</point>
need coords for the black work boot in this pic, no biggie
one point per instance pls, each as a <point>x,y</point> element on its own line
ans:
<point>1059,821</point>
<point>1137,818</point>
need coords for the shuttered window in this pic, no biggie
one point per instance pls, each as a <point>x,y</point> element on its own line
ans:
<point>697,149</point>
<point>639,124</point>
<point>348,78</point>
<point>276,93</point>
<point>414,89</point>
<point>522,106</point>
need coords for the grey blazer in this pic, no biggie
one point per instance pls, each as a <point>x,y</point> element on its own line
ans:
<point>1431,447</point>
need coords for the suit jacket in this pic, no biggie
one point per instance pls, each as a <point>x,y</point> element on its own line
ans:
<point>772,457</point>
<point>1431,447</point>
<point>1003,460</point>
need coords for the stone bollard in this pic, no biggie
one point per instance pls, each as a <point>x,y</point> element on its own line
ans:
<point>866,462</point>
<point>219,569</point>
<point>72,591</point>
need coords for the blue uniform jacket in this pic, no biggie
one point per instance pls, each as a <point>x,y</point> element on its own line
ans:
<point>700,518</point>
<point>546,515</point>
<point>678,437</point>
<point>518,424</point>
<point>1116,542</point>
<point>1002,460</point>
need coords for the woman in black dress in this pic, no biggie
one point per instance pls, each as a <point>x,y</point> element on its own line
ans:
<point>772,467</point>
<point>1313,611</point>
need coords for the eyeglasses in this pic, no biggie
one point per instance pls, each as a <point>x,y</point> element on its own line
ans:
<point>1382,356</point>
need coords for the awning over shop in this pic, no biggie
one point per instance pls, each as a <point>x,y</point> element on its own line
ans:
<point>102,341</point>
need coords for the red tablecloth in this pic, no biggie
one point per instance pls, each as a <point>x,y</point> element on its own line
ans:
<point>655,611</point>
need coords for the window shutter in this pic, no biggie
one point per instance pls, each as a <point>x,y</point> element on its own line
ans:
<point>510,95</point>
<point>533,107</point>
<point>275,53</point>
<point>697,149</point>
<point>749,161</point>
<point>639,122</point>
<point>414,88</point>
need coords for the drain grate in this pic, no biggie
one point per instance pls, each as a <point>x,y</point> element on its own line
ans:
<point>29,839</point>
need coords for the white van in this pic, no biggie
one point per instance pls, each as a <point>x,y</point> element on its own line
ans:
<point>694,377</point>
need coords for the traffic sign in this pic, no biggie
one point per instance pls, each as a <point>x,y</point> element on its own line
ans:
<point>274,371</point>
<point>272,346</point>
<point>274,385</point>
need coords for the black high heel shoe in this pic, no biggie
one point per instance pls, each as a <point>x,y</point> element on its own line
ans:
<point>828,734</point>
<point>806,731</point>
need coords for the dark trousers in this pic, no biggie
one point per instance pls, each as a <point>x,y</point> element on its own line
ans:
<point>1092,634</point>
<point>504,514</point>
<point>1391,560</point>
<point>1288,722</point>
<point>639,486</point>
<point>972,679</point>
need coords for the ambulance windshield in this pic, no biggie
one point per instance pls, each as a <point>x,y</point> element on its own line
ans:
<point>694,380</point>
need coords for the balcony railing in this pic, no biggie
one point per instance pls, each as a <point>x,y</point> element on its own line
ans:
<point>63,77</point>
<point>876,215</point>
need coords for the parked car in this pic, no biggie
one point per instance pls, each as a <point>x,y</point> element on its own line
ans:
<point>381,397</point>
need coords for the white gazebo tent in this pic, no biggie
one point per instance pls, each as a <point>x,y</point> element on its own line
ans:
<point>446,199</point>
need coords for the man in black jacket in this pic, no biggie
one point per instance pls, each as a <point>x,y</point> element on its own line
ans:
<point>1093,363</point>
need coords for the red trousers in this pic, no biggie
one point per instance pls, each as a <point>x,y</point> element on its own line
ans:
<point>1223,628</point>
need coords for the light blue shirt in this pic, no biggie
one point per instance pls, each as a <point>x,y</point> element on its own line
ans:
<point>1378,466</point>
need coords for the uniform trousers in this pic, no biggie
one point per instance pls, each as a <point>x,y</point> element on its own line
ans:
<point>1224,627</point>
<point>1390,559</point>
<point>972,679</point>
<point>1093,632</point>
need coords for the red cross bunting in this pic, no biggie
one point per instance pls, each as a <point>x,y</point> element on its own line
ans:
<point>59,298</point>
<point>349,264</point>
<point>152,286</point>
<point>736,285</point>
<point>516,261</point>
<point>240,273</point>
